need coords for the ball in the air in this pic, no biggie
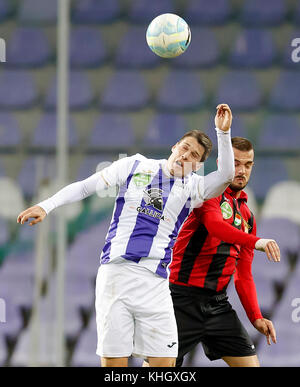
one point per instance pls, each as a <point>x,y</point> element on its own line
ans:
<point>168,35</point>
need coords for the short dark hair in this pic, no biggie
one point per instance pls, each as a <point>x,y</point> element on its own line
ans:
<point>241,144</point>
<point>202,139</point>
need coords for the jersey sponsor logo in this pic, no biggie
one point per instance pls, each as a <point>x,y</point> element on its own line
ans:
<point>153,197</point>
<point>150,212</point>
<point>226,210</point>
<point>172,345</point>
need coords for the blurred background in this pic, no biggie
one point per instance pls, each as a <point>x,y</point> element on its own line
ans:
<point>122,100</point>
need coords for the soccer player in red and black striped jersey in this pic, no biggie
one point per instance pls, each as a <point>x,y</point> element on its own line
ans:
<point>216,242</point>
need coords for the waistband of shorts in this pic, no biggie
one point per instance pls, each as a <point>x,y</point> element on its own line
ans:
<point>197,291</point>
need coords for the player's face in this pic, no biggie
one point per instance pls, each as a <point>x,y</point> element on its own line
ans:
<point>185,157</point>
<point>243,166</point>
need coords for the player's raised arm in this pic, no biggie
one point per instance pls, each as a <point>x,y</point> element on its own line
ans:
<point>216,182</point>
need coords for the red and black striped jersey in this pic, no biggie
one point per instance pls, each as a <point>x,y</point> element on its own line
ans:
<point>205,251</point>
<point>210,248</point>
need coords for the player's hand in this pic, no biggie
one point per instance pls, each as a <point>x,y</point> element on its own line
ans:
<point>35,212</point>
<point>270,247</point>
<point>266,327</point>
<point>223,118</point>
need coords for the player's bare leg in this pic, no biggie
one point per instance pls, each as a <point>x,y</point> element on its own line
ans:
<point>114,361</point>
<point>161,362</point>
<point>246,361</point>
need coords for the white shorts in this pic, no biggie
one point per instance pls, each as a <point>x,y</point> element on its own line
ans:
<point>134,313</point>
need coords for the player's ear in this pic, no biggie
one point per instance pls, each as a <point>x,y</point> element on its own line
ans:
<point>174,146</point>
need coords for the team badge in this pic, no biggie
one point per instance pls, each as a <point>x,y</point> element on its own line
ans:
<point>141,179</point>
<point>237,220</point>
<point>226,210</point>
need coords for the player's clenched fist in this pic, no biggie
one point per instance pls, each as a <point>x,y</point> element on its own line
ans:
<point>223,118</point>
<point>35,212</point>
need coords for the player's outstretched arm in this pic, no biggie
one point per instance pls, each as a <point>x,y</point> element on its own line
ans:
<point>69,194</point>
<point>216,182</point>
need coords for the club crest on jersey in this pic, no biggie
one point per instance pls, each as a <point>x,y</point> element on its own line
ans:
<point>237,220</point>
<point>226,210</point>
<point>141,179</point>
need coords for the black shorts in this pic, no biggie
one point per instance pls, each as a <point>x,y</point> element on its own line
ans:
<point>209,319</point>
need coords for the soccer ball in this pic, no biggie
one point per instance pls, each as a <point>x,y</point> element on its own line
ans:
<point>168,35</point>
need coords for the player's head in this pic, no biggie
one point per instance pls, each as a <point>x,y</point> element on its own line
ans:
<point>189,152</point>
<point>243,160</point>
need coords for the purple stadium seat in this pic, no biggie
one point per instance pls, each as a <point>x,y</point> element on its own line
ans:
<point>5,9</point>
<point>37,12</point>
<point>44,135</point>
<point>17,90</point>
<point>87,264</point>
<point>285,95</point>
<point>253,48</point>
<point>296,14</point>
<point>80,92</point>
<point>85,351</point>
<point>286,352</point>
<point>207,12</point>
<point>281,132</point>
<point>72,318</point>
<point>141,56</point>
<point>18,289</point>
<point>238,129</point>
<point>10,133</point>
<point>232,90</point>
<point>143,11</point>
<point>180,90</point>
<point>87,48</point>
<point>28,47</point>
<point>96,11</point>
<point>34,170</point>
<point>89,165</point>
<point>13,319</point>
<point>108,127</point>
<point>164,129</point>
<point>265,173</point>
<point>203,51</point>
<point>263,13</point>
<point>284,231</point>
<point>126,90</point>
<point>3,349</point>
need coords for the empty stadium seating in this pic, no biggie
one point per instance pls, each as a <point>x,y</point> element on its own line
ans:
<point>124,99</point>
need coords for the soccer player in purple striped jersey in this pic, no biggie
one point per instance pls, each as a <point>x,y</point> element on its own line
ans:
<point>134,310</point>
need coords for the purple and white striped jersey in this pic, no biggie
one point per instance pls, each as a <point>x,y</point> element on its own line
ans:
<point>151,205</point>
<point>150,208</point>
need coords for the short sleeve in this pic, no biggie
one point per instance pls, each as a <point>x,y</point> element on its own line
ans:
<point>118,171</point>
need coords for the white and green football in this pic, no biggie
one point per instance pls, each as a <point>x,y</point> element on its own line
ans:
<point>168,35</point>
